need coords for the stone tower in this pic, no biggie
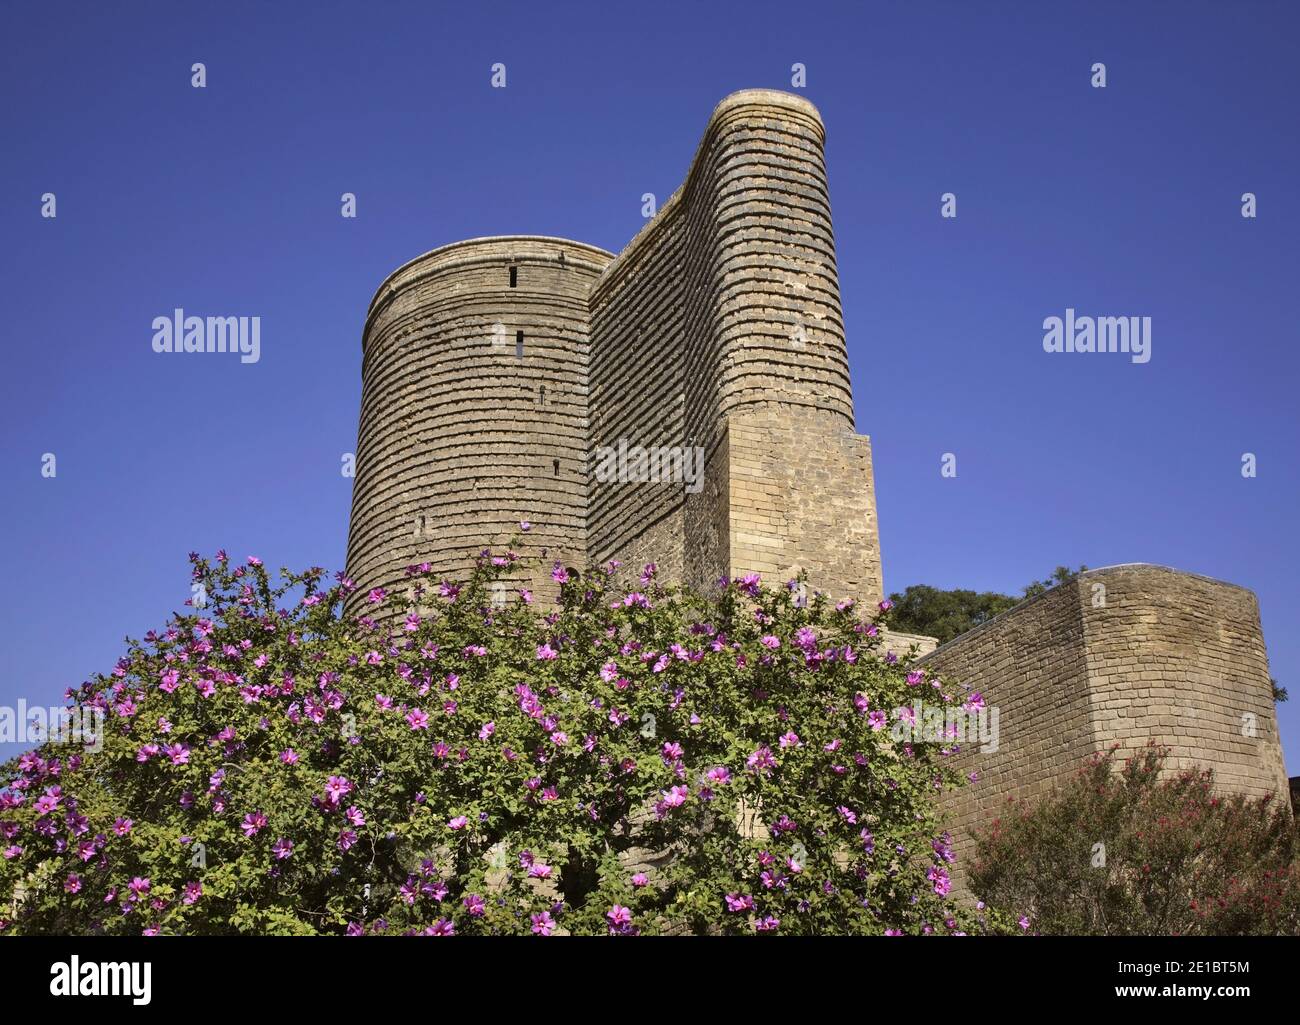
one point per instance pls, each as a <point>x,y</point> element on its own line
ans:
<point>500,374</point>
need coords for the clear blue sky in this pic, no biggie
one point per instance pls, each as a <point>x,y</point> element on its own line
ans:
<point>226,200</point>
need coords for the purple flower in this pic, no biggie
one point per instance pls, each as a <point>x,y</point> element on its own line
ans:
<point>543,924</point>
<point>282,848</point>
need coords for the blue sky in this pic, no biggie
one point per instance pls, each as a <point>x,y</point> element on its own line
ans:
<point>1115,201</point>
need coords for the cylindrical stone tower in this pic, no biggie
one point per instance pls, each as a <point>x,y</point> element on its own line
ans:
<point>474,410</point>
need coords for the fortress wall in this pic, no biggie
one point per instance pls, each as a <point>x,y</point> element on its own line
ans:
<point>719,326</point>
<point>826,523</point>
<point>1120,655</point>
<point>1181,658</point>
<point>461,437</point>
<point>1030,663</point>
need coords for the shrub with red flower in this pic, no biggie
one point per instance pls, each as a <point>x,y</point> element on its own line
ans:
<point>451,763</point>
<point>1133,850</point>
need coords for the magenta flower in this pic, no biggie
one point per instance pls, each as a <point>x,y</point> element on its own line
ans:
<point>474,905</point>
<point>191,893</point>
<point>337,788</point>
<point>619,918</point>
<point>138,886</point>
<point>459,822</point>
<point>418,718</point>
<point>543,924</point>
<point>739,902</point>
<point>639,880</point>
<point>253,822</point>
<point>282,848</point>
<point>72,884</point>
<point>546,653</point>
<point>761,760</point>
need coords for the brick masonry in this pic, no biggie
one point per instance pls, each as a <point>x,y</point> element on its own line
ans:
<point>1120,655</point>
<point>495,371</point>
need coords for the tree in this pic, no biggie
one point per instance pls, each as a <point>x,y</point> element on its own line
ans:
<point>1130,853</point>
<point>945,614</point>
<point>448,762</point>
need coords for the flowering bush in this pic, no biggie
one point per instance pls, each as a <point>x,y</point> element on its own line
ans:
<point>626,762</point>
<point>1128,852</point>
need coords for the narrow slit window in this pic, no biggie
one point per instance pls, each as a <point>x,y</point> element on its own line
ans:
<point>555,465</point>
<point>514,276</point>
<point>519,344</point>
<point>541,394</point>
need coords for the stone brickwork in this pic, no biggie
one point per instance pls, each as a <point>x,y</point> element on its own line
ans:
<point>1116,656</point>
<point>495,372</point>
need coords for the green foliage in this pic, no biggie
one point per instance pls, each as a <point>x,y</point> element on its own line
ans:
<point>944,614</point>
<point>1128,852</point>
<point>459,764</point>
<point>927,610</point>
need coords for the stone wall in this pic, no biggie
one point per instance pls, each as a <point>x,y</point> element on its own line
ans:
<point>474,409</point>
<point>717,330</point>
<point>1120,655</point>
<point>719,327</point>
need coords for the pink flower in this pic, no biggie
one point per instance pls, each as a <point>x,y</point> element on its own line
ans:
<point>619,918</point>
<point>418,718</point>
<point>459,822</point>
<point>543,924</point>
<point>253,822</point>
<point>737,902</point>
<point>72,884</point>
<point>546,653</point>
<point>282,848</point>
<point>191,893</point>
<point>761,760</point>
